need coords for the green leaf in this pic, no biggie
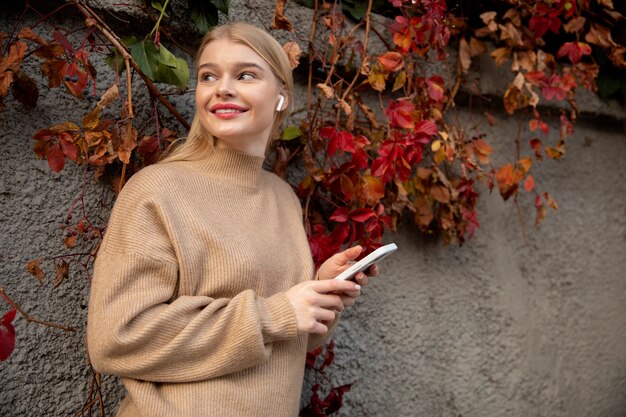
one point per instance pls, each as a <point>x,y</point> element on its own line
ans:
<point>146,55</point>
<point>203,14</point>
<point>171,70</point>
<point>290,133</point>
<point>222,5</point>
<point>159,7</point>
<point>609,84</point>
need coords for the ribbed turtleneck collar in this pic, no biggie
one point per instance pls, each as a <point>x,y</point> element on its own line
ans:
<point>232,166</point>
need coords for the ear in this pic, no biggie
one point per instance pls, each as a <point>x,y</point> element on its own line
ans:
<point>281,102</point>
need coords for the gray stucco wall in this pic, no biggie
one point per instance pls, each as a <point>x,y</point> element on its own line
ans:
<point>503,326</point>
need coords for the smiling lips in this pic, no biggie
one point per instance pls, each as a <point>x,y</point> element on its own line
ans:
<point>227,111</point>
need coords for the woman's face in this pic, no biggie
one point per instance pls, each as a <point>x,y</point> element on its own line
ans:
<point>236,96</point>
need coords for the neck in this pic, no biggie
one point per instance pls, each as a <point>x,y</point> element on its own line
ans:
<point>233,166</point>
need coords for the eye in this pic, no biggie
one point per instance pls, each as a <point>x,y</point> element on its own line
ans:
<point>247,76</point>
<point>207,77</point>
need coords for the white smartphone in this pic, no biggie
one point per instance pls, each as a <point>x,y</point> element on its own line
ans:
<point>376,256</point>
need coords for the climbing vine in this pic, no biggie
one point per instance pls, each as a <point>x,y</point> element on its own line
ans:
<point>379,139</point>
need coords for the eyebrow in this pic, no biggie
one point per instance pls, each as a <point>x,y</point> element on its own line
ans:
<point>237,65</point>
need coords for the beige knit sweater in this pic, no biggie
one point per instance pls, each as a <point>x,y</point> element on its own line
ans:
<point>187,301</point>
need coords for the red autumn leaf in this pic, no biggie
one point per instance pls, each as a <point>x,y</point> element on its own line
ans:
<point>392,61</point>
<point>424,129</point>
<point>436,88</point>
<point>574,51</point>
<point>7,335</point>
<point>329,355</point>
<point>400,113</point>
<point>537,78</point>
<point>541,210</point>
<point>361,215</point>
<point>535,124</point>
<point>340,215</point>
<point>67,146</point>
<point>334,400</point>
<point>149,149</point>
<point>56,158</point>
<point>340,140</point>
<point>311,357</point>
<point>529,183</point>
<point>77,80</point>
<point>536,145</point>
<point>60,38</point>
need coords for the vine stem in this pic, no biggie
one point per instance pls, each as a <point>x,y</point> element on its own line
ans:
<point>31,319</point>
<point>311,58</point>
<point>110,35</point>
<point>365,42</point>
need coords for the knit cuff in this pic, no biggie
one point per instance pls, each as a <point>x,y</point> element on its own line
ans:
<point>278,319</point>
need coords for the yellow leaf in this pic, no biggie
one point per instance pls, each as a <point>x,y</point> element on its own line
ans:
<point>435,145</point>
<point>91,120</point>
<point>399,81</point>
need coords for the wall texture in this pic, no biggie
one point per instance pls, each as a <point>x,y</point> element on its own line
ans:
<point>503,326</point>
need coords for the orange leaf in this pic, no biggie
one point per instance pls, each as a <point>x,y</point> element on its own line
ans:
<point>70,241</point>
<point>500,55</point>
<point>550,201</point>
<point>482,151</point>
<point>280,21</point>
<point>372,189</point>
<point>54,70</point>
<point>392,61</point>
<point>440,193</point>
<point>62,272</point>
<point>34,268</point>
<point>524,165</point>
<point>293,51</point>
<point>327,90</point>
<point>508,181</point>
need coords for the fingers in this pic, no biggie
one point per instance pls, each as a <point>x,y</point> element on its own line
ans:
<point>342,258</point>
<point>334,285</point>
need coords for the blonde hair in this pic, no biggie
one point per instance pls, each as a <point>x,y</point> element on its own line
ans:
<point>199,142</point>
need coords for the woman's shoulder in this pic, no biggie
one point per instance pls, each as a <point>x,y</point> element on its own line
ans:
<point>155,178</point>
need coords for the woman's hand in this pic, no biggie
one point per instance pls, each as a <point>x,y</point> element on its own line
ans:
<point>341,261</point>
<point>316,303</point>
<point>338,263</point>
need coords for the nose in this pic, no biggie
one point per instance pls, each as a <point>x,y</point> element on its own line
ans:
<point>226,87</point>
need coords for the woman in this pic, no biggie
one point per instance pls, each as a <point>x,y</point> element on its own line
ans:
<point>203,298</point>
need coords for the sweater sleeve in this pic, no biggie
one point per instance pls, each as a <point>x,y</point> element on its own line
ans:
<point>140,328</point>
<point>136,330</point>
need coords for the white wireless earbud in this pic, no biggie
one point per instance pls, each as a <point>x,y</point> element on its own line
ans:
<point>281,100</point>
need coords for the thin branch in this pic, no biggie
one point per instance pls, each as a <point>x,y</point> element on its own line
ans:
<point>365,44</point>
<point>31,319</point>
<point>117,43</point>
